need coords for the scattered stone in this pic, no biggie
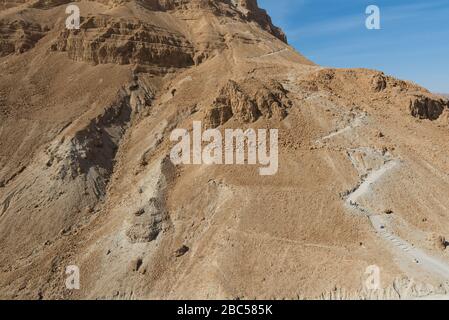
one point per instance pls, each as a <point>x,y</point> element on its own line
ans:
<point>65,231</point>
<point>181,251</point>
<point>133,87</point>
<point>388,211</point>
<point>139,212</point>
<point>143,270</point>
<point>136,264</point>
<point>443,243</point>
<point>143,162</point>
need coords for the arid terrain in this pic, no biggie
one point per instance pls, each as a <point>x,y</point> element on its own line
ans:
<point>85,178</point>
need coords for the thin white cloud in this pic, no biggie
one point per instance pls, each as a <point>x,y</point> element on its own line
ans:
<point>389,14</point>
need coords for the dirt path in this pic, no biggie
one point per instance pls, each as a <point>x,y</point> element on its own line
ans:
<point>357,122</point>
<point>365,186</point>
<point>408,252</point>
<point>411,253</point>
<point>270,53</point>
<point>426,262</point>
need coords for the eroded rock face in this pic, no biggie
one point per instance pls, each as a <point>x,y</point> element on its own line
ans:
<point>261,17</point>
<point>151,219</point>
<point>247,106</point>
<point>427,108</point>
<point>6,4</point>
<point>104,39</point>
<point>90,152</point>
<point>19,36</point>
<point>147,226</point>
<point>232,101</point>
<point>379,82</point>
<point>248,9</point>
<point>46,4</point>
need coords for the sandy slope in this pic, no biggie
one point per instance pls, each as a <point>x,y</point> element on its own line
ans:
<point>84,176</point>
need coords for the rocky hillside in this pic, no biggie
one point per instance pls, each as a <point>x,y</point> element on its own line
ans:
<point>85,178</point>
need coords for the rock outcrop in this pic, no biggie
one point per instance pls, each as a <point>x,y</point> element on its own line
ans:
<point>245,9</point>
<point>18,36</point>
<point>424,107</point>
<point>107,40</point>
<point>252,12</point>
<point>247,106</point>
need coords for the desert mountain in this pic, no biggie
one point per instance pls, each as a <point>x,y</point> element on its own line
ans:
<point>85,178</point>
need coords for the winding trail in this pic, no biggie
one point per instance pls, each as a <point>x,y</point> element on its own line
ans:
<point>357,122</point>
<point>270,53</point>
<point>365,186</point>
<point>408,252</point>
<point>428,263</point>
<point>415,255</point>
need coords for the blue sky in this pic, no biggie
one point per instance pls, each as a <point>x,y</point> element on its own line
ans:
<point>413,42</point>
